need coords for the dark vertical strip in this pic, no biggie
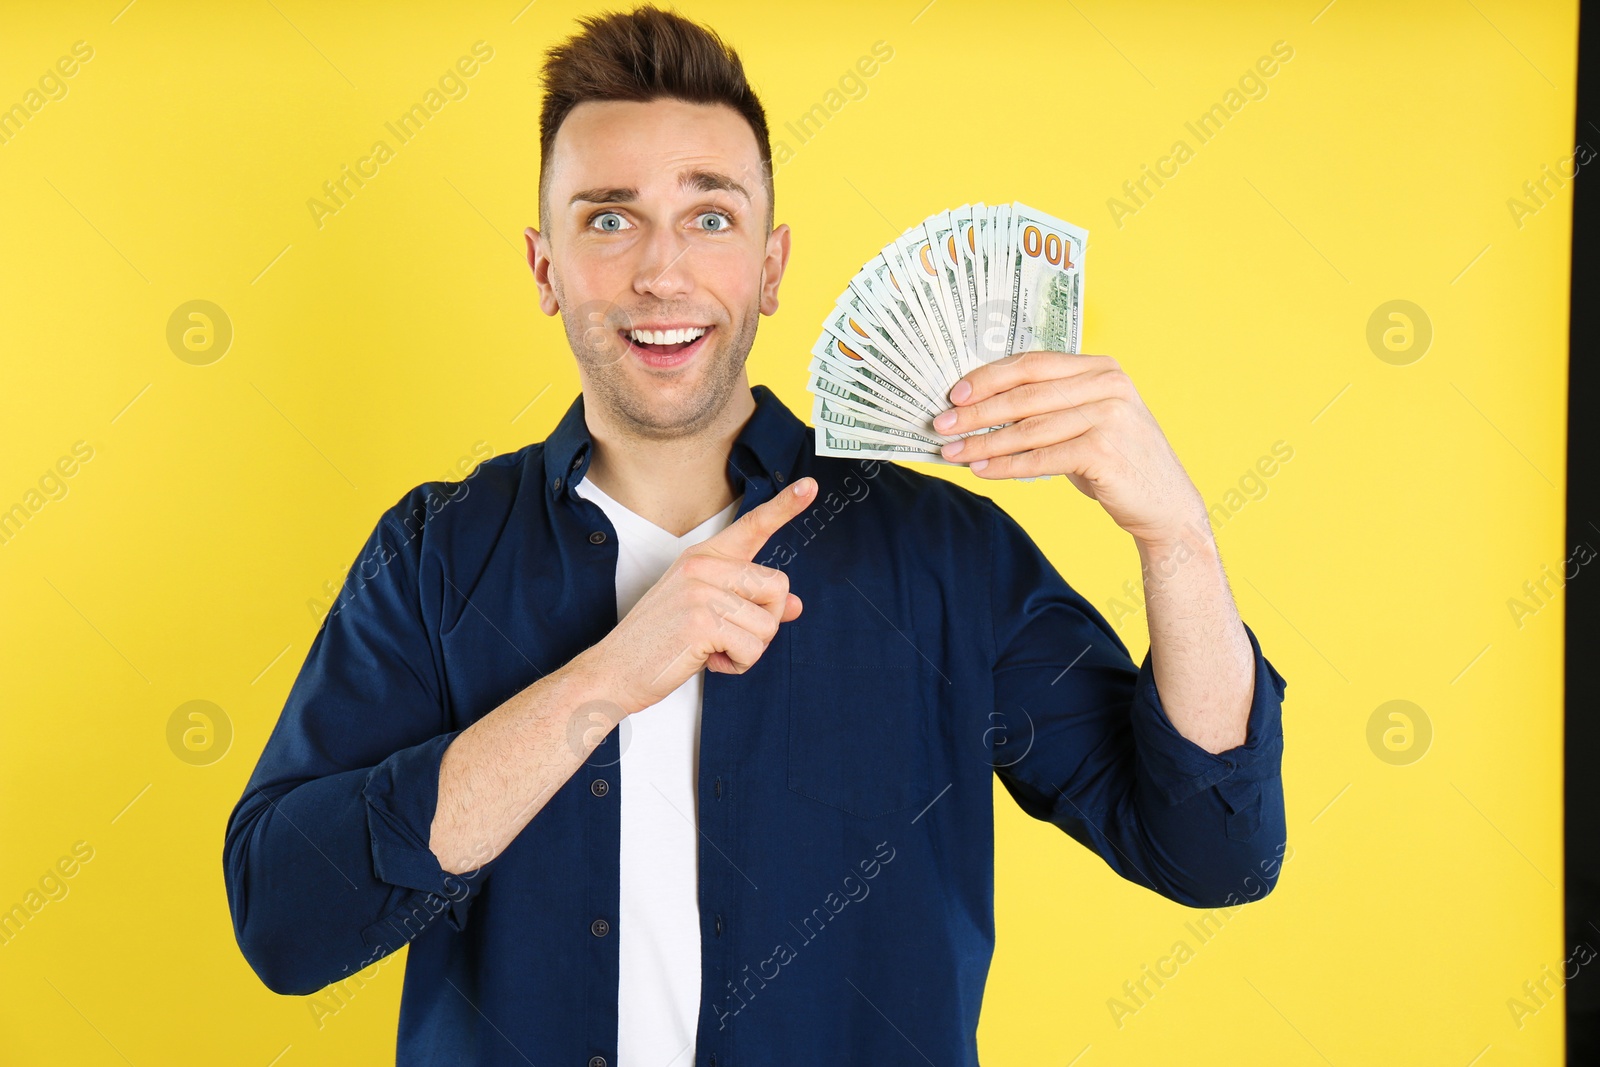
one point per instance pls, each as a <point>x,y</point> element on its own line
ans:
<point>1583,597</point>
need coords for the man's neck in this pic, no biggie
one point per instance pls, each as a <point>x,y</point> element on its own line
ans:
<point>676,483</point>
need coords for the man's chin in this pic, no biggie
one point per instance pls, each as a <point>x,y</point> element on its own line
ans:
<point>673,401</point>
<point>676,403</point>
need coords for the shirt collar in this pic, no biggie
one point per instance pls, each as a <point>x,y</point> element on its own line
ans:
<point>766,450</point>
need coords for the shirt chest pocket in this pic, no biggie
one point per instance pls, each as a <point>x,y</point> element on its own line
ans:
<point>862,708</point>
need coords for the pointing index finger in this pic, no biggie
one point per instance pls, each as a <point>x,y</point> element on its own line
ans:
<point>745,537</point>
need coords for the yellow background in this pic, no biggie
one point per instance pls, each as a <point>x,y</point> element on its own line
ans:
<point>376,352</point>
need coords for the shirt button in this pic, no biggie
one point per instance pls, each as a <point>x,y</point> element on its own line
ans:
<point>555,486</point>
<point>576,463</point>
<point>719,926</point>
<point>779,477</point>
<point>597,1061</point>
<point>598,537</point>
<point>599,928</point>
<point>599,787</point>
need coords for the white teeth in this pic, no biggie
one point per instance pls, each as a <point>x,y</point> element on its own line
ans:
<point>667,337</point>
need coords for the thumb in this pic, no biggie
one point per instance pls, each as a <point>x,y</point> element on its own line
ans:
<point>745,537</point>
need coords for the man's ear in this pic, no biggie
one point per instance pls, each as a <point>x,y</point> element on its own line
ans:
<point>772,269</point>
<point>539,262</point>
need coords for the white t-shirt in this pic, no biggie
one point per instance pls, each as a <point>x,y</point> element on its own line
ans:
<point>658,922</point>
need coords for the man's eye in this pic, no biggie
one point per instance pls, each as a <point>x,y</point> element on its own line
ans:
<point>609,221</point>
<point>714,221</point>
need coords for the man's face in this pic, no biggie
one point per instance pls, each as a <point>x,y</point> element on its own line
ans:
<point>656,255</point>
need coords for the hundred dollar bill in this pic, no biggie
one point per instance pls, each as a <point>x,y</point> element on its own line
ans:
<point>927,286</point>
<point>941,233</point>
<point>834,442</point>
<point>966,252</point>
<point>1047,282</point>
<point>999,270</point>
<point>862,424</point>
<point>980,249</point>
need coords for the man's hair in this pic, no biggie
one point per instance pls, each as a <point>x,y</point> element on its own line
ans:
<point>644,55</point>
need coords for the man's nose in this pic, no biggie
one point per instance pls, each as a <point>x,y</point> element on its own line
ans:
<point>664,269</point>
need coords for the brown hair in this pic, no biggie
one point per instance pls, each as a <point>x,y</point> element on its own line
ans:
<point>645,55</point>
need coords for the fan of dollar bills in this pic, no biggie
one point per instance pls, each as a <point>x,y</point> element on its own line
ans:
<point>962,288</point>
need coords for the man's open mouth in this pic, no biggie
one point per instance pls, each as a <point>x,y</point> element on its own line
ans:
<point>665,347</point>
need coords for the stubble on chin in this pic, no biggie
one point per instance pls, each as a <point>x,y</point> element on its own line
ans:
<point>652,416</point>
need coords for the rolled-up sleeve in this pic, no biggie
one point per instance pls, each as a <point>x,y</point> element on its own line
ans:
<point>326,854</point>
<point>1088,745</point>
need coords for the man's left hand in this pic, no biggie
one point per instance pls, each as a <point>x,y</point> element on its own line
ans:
<point>1077,415</point>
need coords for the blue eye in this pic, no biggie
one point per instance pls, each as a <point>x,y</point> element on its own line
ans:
<point>608,221</point>
<point>714,221</point>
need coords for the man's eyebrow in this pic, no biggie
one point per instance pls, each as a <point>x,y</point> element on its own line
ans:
<point>616,195</point>
<point>706,181</point>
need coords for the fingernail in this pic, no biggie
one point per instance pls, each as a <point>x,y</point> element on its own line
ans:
<point>978,465</point>
<point>945,421</point>
<point>962,390</point>
<point>953,448</point>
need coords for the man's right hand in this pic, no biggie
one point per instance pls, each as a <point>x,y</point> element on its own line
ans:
<point>713,608</point>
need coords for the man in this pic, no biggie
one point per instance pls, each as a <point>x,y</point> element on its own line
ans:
<point>750,822</point>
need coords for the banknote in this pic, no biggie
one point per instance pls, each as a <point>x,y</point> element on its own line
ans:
<point>964,287</point>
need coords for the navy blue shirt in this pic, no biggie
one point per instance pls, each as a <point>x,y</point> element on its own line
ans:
<point>845,792</point>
